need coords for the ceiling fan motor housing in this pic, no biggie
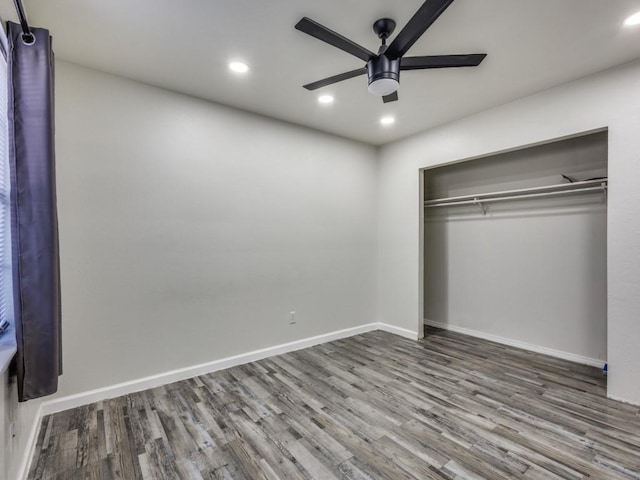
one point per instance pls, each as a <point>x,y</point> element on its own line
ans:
<point>383,68</point>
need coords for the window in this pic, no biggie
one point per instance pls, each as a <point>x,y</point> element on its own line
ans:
<point>6,290</point>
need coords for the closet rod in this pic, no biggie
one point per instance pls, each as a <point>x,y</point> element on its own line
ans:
<point>561,189</point>
<point>515,197</point>
<point>27,36</point>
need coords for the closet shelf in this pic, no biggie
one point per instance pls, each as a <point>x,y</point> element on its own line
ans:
<point>597,185</point>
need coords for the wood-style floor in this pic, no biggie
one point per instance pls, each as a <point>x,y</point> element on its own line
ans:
<point>374,406</point>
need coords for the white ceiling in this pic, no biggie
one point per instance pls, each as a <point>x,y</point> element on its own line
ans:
<point>185,46</point>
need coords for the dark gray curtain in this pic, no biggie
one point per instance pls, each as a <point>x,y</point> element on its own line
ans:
<point>34,226</point>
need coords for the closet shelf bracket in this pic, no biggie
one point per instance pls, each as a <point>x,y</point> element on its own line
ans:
<point>481,205</point>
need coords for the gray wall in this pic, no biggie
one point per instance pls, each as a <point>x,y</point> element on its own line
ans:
<point>303,232</point>
<point>533,271</point>
<point>22,415</point>
<point>608,99</point>
<point>5,420</point>
<point>189,231</point>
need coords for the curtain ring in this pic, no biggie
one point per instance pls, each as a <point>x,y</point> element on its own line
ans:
<point>28,39</point>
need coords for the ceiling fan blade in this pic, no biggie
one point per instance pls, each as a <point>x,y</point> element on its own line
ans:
<point>441,61</point>
<point>393,97</point>
<point>335,79</point>
<point>321,32</point>
<point>413,30</point>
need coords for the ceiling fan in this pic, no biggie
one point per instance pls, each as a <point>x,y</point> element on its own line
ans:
<point>383,68</point>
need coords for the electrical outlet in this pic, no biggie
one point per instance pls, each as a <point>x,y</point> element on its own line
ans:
<point>292,318</point>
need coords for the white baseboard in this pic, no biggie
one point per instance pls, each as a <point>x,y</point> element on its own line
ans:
<point>72,401</point>
<point>125,388</point>
<point>572,357</point>
<point>622,400</point>
<point>403,332</point>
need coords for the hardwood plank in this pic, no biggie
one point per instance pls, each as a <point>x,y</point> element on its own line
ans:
<point>374,406</point>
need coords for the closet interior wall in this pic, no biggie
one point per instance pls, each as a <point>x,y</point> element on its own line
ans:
<point>530,271</point>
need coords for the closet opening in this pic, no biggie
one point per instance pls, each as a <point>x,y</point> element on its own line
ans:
<point>515,248</point>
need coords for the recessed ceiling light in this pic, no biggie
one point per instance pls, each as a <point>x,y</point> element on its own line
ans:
<point>633,20</point>
<point>387,120</point>
<point>238,67</point>
<point>326,99</point>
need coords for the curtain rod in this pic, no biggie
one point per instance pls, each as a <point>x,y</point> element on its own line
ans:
<point>27,36</point>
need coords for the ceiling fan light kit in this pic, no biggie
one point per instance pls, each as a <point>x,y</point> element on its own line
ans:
<point>384,75</point>
<point>383,86</point>
<point>383,69</point>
